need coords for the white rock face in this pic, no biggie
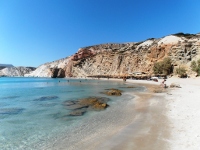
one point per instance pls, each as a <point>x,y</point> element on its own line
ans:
<point>15,71</point>
<point>44,70</point>
<point>171,39</point>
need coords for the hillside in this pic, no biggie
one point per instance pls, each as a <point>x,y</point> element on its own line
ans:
<point>125,58</point>
<point>16,71</point>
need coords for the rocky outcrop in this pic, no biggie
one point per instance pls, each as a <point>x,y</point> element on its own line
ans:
<point>16,71</point>
<point>113,92</point>
<point>123,59</point>
<point>57,73</point>
<point>81,106</point>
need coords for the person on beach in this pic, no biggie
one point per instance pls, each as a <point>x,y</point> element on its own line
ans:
<point>163,84</point>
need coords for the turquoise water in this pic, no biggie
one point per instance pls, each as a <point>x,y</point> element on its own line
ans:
<point>32,115</point>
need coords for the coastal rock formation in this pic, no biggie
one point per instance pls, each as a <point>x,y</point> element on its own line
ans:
<point>113,92</point>
<point>127,58</point>
<point>16,71</point>
<point>79,107</point>
<point>57,73</point>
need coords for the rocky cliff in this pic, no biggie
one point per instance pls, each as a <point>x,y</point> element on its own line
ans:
<point>125,58</point>
<point>16,71</point>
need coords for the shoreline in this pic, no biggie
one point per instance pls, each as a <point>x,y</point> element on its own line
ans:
<point>148,131</point>
<point>181,110</point>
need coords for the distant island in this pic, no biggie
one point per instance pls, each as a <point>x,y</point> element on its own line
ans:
<point>8,70</point>
<point>2,66</point>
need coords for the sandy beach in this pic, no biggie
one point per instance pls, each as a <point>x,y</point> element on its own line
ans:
<point>182,115</point>
<point>170,119</point>
<point>183,112</point>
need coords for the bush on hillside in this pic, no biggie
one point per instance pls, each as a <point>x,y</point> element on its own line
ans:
<point>195,66</point>
<point>163,67</point>
<point>181,71</point>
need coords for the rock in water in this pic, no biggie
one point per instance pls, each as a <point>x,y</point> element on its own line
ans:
<point>81,106</point>
<point>113,92</point>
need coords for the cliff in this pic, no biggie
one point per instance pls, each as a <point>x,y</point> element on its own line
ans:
<point>16,71</point>
<point>125,58</point>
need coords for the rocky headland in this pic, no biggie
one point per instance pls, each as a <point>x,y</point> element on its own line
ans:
<point>125,58</point>
<point>16,71</point>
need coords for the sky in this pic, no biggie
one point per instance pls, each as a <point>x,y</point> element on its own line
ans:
<point>33,32</point>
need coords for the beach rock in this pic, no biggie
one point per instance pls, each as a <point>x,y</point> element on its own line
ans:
<point>113,92</point>
<point>77,113</point>
<point>174,85</point>
<point>81,106</point>
<point>94,103</point>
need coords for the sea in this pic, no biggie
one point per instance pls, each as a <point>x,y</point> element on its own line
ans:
<point>32,114</point>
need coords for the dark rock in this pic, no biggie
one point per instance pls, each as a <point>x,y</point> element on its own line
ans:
<point>46,98</point>
<point>76,106</point>
<point>10,97</point>
<point>77,113</point>
<point>113,92</point>
<point>81,106</point>
<point>10,111</point>
<point>57,73</point>
<point>54,72</point>
<point>61,73</point>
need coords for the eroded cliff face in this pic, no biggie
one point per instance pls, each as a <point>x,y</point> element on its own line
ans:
<point>121,59</point>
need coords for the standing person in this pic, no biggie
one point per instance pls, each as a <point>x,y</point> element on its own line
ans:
<point>163,84</point>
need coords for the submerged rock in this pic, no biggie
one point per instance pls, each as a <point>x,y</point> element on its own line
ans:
<point>113,92</point>
<point>77,113</point>
<point>81,106</point>
<point>9,97</point>
<point>46,98</point>
<point>94,102</point>
<point>11,111</point>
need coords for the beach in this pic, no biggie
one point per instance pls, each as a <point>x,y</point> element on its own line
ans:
<point>170,120</point>
<point>177,119</point>
<point>183,112</point>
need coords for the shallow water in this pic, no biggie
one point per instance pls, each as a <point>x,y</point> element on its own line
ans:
<point>32,115</point>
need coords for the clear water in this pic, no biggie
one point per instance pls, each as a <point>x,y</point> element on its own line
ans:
<point>29,122</point>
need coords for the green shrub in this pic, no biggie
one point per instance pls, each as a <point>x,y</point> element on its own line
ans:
<point>163,67</point>
<point>195,66</point>
<point>181,71</point>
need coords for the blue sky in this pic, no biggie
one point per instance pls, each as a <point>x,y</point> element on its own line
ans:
<point>33,32</point>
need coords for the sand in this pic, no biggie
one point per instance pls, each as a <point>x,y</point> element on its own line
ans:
<point>171,119</point>
<point>184,112</point>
